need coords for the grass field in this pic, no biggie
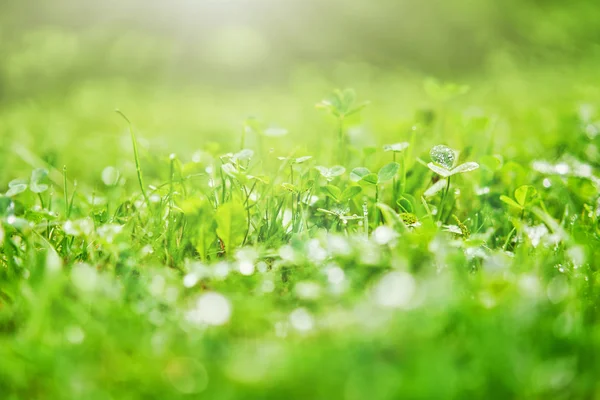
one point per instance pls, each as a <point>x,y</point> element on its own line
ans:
<point>399,237</point>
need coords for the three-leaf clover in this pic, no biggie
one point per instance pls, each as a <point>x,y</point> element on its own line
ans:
<point>39,180</point>
<point>444,159</point>
<point>331,173</point>
<point>396,147</point>
<point>342,103</point>
<point>524,195</point>
<point>365,176</point>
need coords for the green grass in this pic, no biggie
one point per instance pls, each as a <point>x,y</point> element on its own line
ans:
<point>303,255</point>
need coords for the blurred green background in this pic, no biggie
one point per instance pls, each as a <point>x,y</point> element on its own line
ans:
<point>189,72</point>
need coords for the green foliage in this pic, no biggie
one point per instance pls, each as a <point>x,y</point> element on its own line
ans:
<point>250,270</point>
<point>342,104</point>
<point>231,225</point>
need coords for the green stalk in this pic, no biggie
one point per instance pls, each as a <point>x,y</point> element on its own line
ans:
<point>65,192</point>
<point>394,183</point>
<point>366,220</point>
<point>136,155</point>
<point>443,203</point>
<point>341,140</point>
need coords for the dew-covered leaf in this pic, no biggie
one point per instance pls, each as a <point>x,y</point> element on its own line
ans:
<point>443,155</point>
<point>466,167</point>
<point>441,171</point>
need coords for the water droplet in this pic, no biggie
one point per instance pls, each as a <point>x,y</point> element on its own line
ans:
<point>443,155</point>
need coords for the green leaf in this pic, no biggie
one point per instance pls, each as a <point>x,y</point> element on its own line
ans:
<point>407,203</point>
<point>396,147</point>
<point>233,172</point>
<point>337,170</point>
<point>371,179</point>
<point>231,225</point>
<point>289,187</point>
<point>350,192</point>
<point>7,207</point>
<point>342,103</point>
<point>358,173</point>
<point>358,108</point>
<point>443,92</point>
<point>441,171</point>
<point>301,160</point>
<point>390,217</point>
<point>435,188</point>
<point>387,172</point>
<point>466,167</point>
<point>330,173</point>
<point>243,155</point>
<point>200,220</point>
<point>524,194</point>
<point>510,202</point>
<point>332,191</point>
<point>39,180</point>
<point>16,187</point>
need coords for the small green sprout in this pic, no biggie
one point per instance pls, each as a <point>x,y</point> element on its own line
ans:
<point>338,195</point>
<point>523,197</point>
<point>331,173</point>
<point>342,104</point>
<point>39,181</point>
<point>444,159</point>
<point>443,91</point>
<point>396,147</point>
<point>365,176</point>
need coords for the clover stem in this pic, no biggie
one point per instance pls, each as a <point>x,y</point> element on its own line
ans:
<point>366,220</point>
<point>394,183</point>
<point>443,202</point>
<point>403,182</point>
<point>41,199</point>
<point>508,238</point>
<point>65,192</point>
<point>341,140</point>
